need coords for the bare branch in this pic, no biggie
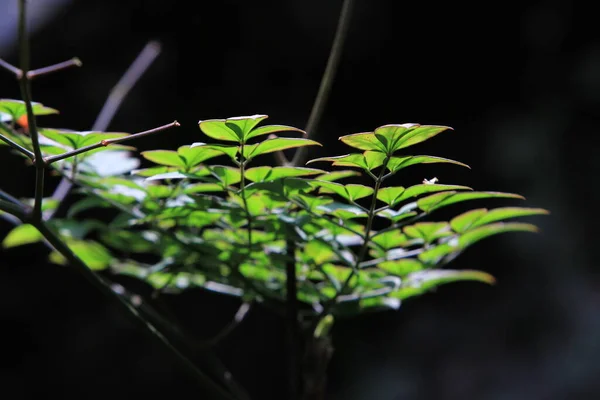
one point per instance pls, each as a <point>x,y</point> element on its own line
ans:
<point>127,81</point>
<point>11,68</point>
<point>107,142</point>
<point>74,62</point>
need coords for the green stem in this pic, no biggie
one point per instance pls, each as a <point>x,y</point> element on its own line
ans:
<point>13,209</point>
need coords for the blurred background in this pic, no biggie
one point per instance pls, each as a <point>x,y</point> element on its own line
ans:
<point>520,85</point>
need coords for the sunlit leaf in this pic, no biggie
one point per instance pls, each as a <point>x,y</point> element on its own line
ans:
<point>261,174</point>
<point>229,150</point>
<point>268,129</point>
<point>397,163</point>
<point>164,157</point>
<point>474,235</point>
<point>193,156</point>
<point>397,136</point>
<point>420,189</point>
<point>443,199</point>
<point>475,218</point>
<point>16,108</point>
<point>22,235</point>
<point>364,141</point>
<point>93,254</point>
<point>420,282</point>
<point>337,175</point>
<point>227,175</point>
<point>277,144</point>
<point>428,231</point>
<point>401,267</point>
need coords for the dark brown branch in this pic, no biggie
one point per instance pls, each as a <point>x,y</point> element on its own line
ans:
<point>107,142</point>
<point>74,62</point>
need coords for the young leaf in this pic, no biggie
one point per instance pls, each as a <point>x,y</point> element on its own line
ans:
<point>231,151</point>
<point>388,195</point>
<point>21,235</point>
<point>231,129</point>
<point>442,199</point>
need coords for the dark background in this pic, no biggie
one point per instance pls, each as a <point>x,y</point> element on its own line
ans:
<point>520,85</point>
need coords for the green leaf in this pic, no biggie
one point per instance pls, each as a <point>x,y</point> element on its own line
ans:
<point>369,160</point>
<point>230,129</point>
<point>337,175</point>
<point>203,188</point>
<point>169,158</point>
<point>93,254</point>
<point>388,195</point>
<point>397,136</point>
<point>277,144</point>
<point>76,139</point>
<point>443,199</point>
<point>420,282</point>
<point>350,192</point>
<point>231,151</point>
<point>342,210</point>
<point>167,176</point>
<point>390,239</point>
<point>16,108</point>
<point>420,189</point>
<point>364,141</point>
<point>262,174</point>
<point>397,163</point>
<point>474,218</point>
<point>227,175</point>
<point>21,235</point>
<point>401,267</point>
<point>193,156</point>
<point>474,235</point>
<point>268,129</point>
<point>428,231</point>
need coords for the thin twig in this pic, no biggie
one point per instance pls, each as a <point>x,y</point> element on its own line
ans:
<point>107,142</point>
<point>10,68</point>
<point>131,76</point>
<point>74,62</point>
<point>327,79</point>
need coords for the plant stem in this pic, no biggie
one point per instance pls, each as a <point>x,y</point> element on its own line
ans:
<point>13,209</point>
<point>107,142</point>
<point>25,85</point>
<point>237,319</point>
<point>327,79</point>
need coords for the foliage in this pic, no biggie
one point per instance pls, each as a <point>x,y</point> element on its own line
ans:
<point>210,215</point>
